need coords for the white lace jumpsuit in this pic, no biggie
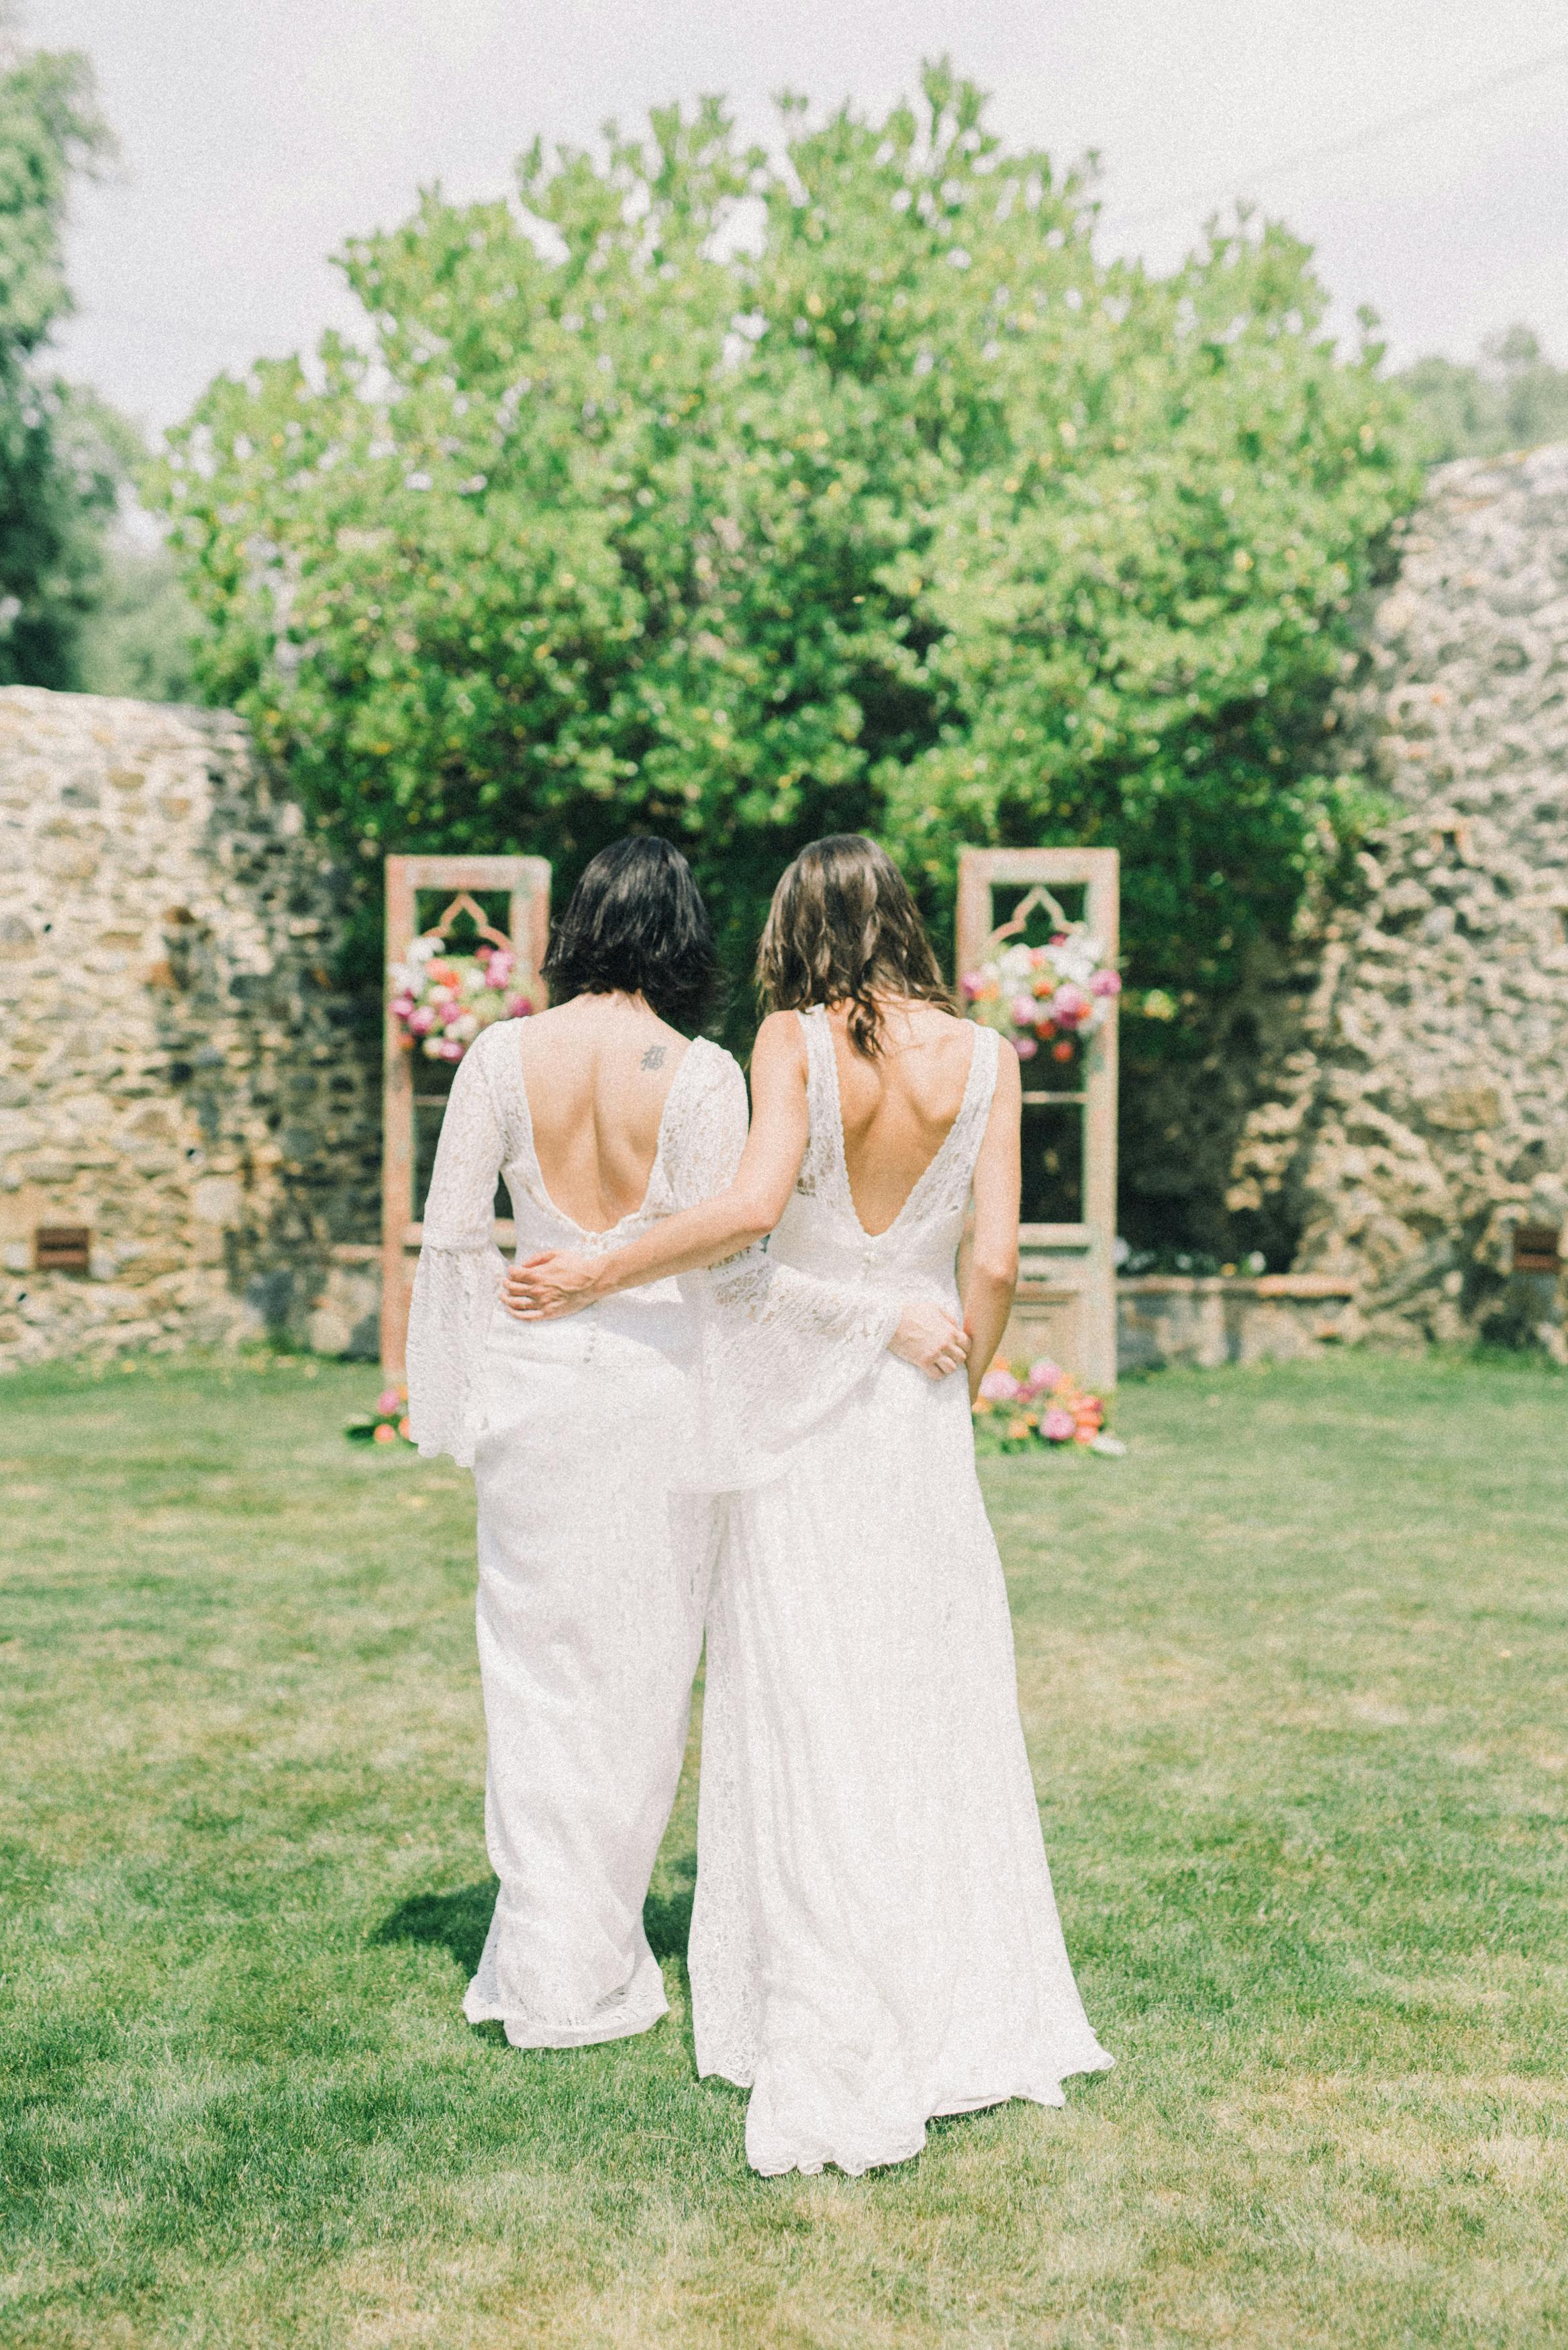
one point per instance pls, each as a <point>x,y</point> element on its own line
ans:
<point>592,1564</point>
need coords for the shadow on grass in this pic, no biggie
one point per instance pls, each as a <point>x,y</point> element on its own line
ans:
<point>457,1922</point>
<point>666,1922</point>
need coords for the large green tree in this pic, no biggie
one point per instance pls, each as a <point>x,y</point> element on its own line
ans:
<point>746,498</point>
<point>62,455</point>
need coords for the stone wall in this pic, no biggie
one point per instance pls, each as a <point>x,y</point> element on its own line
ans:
<point>178,1073</point>
<point>1415,1113</point>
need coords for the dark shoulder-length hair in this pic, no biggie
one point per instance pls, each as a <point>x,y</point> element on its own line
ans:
<point>637,924</point>
<point>843,929</point>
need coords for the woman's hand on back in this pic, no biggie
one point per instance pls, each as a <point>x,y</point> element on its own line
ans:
<point>930,1339</point>
<point>556,1282</point>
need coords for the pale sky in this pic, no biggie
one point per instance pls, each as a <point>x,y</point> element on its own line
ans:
<point>257,134</point>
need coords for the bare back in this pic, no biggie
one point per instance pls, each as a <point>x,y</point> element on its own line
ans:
<point>597,1072</point>
<point>898,1108</point>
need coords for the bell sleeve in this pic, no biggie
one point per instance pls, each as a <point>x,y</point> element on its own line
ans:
<point>460,1267</point>
<point>779,1351</point>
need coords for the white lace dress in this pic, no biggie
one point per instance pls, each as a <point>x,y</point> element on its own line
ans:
<point>874,1939</point>
<point>592,1564</point>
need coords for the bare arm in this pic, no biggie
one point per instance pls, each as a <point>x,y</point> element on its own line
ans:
<point>991,1275</point>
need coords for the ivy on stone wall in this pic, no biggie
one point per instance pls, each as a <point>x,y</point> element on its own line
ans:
<point>745,499</point>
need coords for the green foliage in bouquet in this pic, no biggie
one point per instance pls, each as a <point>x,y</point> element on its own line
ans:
<point>743,498</point>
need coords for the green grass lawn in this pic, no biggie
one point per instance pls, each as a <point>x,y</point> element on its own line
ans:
<point>1294,1678</point>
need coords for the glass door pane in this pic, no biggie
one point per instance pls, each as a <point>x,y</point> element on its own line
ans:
<point>1052,1161</point>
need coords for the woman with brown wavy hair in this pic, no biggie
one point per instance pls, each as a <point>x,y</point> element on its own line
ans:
<point>874,1940</point>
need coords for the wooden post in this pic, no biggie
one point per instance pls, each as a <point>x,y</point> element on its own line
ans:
<point>1067,1275</point>
<point>526,880</point>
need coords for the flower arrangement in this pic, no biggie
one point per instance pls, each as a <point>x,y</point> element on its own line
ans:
<point>1022,1406</point>
<point>1053,996</point>
<point>441,1001</point>
<point>387,1424</point>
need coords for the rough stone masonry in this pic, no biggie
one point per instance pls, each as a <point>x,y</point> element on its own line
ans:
<point>189,1129</point>
<point>1415,1121</point>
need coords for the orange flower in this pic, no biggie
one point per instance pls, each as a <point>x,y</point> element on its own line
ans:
<point>384,1435</point>
<point>403,1426</point>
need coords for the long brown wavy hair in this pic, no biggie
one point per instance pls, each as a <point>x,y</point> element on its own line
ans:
<point>843,929</point>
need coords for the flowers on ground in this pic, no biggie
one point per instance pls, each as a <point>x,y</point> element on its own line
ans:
<point>1052,996</point>
<point>1022,1405</point>
<point>387,1424</point>
<point>441,1001</point>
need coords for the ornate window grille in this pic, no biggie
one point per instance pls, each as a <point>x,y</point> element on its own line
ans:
<point>411,1115</point>
<point>1067,1289</point>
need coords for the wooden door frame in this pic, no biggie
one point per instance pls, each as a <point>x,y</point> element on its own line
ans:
<point>526,880</point>
<point>1093,1242</point>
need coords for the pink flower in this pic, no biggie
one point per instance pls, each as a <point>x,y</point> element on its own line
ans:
<point>1022,1011</point>
<point>519,1007</point>
<point>450,1049</point>
<point>972,983</point>
<point>401,1006</point>
<point>1058,1426</point>
<point>422,1020</point>
<point>498,970</point>
<point>1043,1374</point>
<point>1105,983</point>
<point>1070,1004</point>
<point>388,1399</point>
<point>1026,1047</point>
<point>998,1385</point>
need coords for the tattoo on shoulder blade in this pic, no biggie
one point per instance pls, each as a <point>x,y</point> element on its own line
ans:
<point>654,1057</point>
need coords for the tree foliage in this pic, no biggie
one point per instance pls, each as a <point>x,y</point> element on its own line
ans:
<point>1512,397</point>
<point>746,498</point>
<point>139,638</point>
<point>62,453</point>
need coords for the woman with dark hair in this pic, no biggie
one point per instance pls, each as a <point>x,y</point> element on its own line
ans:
<point>874,1940</point>
<point>603,1117</point>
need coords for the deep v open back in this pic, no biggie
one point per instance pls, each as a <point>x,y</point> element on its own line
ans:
<point>821,1231</point>
<point>540,1223</point>
<point>615,1234</point>
<point>488,1130</point>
